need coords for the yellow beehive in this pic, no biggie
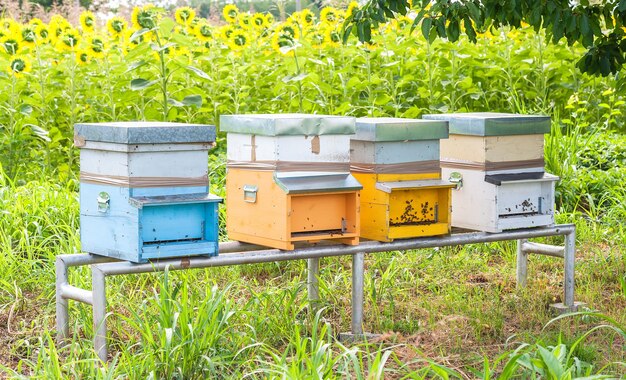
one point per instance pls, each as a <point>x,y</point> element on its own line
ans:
<point>289,181</point>
<point>397,162</point>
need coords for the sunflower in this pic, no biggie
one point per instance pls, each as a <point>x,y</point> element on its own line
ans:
<point>230,13</point>
<point>226,31</point>
<point>332,37</point>
<point>203,31</point>
<point>352,7</point>
<point>11,44</point>
<point>317,39</point>
<point>116,26</point>
<point>35,21</point>
<point>96,46</point>
<point>68,40</point>
<point>145,17</point>
<point>87,21</point>
<point>244,20</point>
<point>184,15</point>
<point>29,35</point>
<point>42,34</point>
<point>18,65</point>
<point>83,57</point>
<point>330,15</point>
<point>238,40</point>
<point>9,25</point>
<point>281,42</point>
<point>307,18</point>
<point>259,21</point>
<point>288,30</point>
<point>270,19</point>
<point>56,27</point>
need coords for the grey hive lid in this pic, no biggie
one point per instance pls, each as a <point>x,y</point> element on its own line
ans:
<point>494,124</point>
<point>398,129</point>
<point>145,132</point>
<point>287,124</point>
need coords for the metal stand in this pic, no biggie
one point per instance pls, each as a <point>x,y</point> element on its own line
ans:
<point>235,253</point>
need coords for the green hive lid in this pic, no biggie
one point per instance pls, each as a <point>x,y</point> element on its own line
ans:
<point>287,124</point>
<point>398,129</point>
<point>145,132</point>
<point>494,124</point>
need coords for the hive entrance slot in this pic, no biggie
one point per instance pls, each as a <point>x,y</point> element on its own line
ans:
<point>319,232</point>
<point>159,242</point>
<point>524,214</point>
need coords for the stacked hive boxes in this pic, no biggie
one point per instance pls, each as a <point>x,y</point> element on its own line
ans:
<point>397,162</point>
<point>500,160</point>
<point>288,179</point>
<point>144,190</point>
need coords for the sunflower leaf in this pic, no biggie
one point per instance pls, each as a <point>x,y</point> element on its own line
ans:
<point>198,72</point>
<point>193,100</point>
<point>141,84</point>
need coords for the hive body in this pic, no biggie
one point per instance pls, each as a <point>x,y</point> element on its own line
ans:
<point>500,159</point>
<point>144,190</point>
<point>288,180</point>
<point>397,162</point>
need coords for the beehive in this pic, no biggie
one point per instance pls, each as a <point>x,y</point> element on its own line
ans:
<point>397,162</point>
<point>500,159</point>
<point>144,190</point>
<point>289,181</point>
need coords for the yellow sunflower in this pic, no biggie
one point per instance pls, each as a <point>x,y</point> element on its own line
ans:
<point>281,42</point>
<point>259,21</point>
<point>35,21</point>
<point>68,40</point>
<point>145,17</point>
<point>244,20</point>
<point>11,44</point>
<point>56,27</point>
<point>96,46</point>
<point>9,25</point>
<point>203,31</point>
<point>316,37</point>
<point>116,26</point>
<point>83,57</point>
<point>19,65</point>
<point>42,34</point>
<point>87,21</point>
<point>184,15</point>
<point>352,7</point>
<point>226,31</point>
<point>239,40</point>
<point>230,13</point>
<point>288,30</point>
<point>307,18</point>
<point>29,35</point>
<point>332,37</point>
<point>330,16</point>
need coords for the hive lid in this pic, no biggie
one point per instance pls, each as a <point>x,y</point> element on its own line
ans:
<point>287,124</point>
<point>145,132</point>
<point>494,124</point>
<point>398,129</point>
<point>321,183</point>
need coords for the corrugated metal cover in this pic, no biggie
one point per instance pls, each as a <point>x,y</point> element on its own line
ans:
<point>162,200</point>
<point>497,179</point>
<point>494,124</point>
<point>317,183</point>
<point>287,124</point>
<point>398,129</point>
<point>145,132</point>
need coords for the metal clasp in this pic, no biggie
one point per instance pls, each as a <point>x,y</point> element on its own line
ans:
<point>104,201</point>
<point>457,179</point>
<point>249,193</point>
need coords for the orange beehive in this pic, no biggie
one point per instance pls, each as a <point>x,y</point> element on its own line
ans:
<point>289,181</point>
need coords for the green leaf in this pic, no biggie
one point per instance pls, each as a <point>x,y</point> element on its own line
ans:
<point>166,26</point>
<point>175,102</point>
<point>135,65</point>
<point>426,27</point>
<point>198,72</point>
<point>38,131</point>
<point>193,100</point>
<point>26,109</point>
<point>158,48</point>
<point>139,33</point>
<point>141,84</point>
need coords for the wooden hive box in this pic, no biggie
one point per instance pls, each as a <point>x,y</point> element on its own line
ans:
<point>144,190</point>
<point>289,181</point>
<point>499,158</point>
<point>397,162</point>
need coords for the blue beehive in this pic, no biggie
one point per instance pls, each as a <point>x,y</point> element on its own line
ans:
<point>144,190</point>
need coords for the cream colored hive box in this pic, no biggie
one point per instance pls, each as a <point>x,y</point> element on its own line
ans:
<point>289,181</point>
<point>397,162</point>
<point>497,160</point>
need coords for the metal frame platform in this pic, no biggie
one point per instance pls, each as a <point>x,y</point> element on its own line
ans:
<point>235,253</point>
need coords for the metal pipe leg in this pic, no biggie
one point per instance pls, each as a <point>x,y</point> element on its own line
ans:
<point>99,312</point>
<point>313,286</point>
<point>522,264</point>
<point>570,256</point>
<point>358,273</point>
<point>63,327</point>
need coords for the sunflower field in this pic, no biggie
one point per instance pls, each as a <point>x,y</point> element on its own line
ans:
<point>453,312</point>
